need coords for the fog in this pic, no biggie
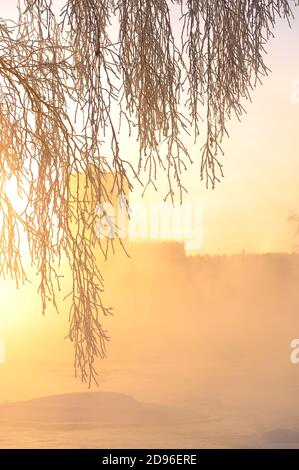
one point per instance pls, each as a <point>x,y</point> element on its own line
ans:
<point>206,337</point>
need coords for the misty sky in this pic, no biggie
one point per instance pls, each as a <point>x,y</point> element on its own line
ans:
<point>248,210</point>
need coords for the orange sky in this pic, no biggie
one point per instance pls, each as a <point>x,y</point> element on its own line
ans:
<point>248,210</point>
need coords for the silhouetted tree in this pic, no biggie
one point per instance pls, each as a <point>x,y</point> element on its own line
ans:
<point>70,80</point>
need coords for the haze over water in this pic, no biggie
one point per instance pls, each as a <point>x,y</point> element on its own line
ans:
<point>179,372</point>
